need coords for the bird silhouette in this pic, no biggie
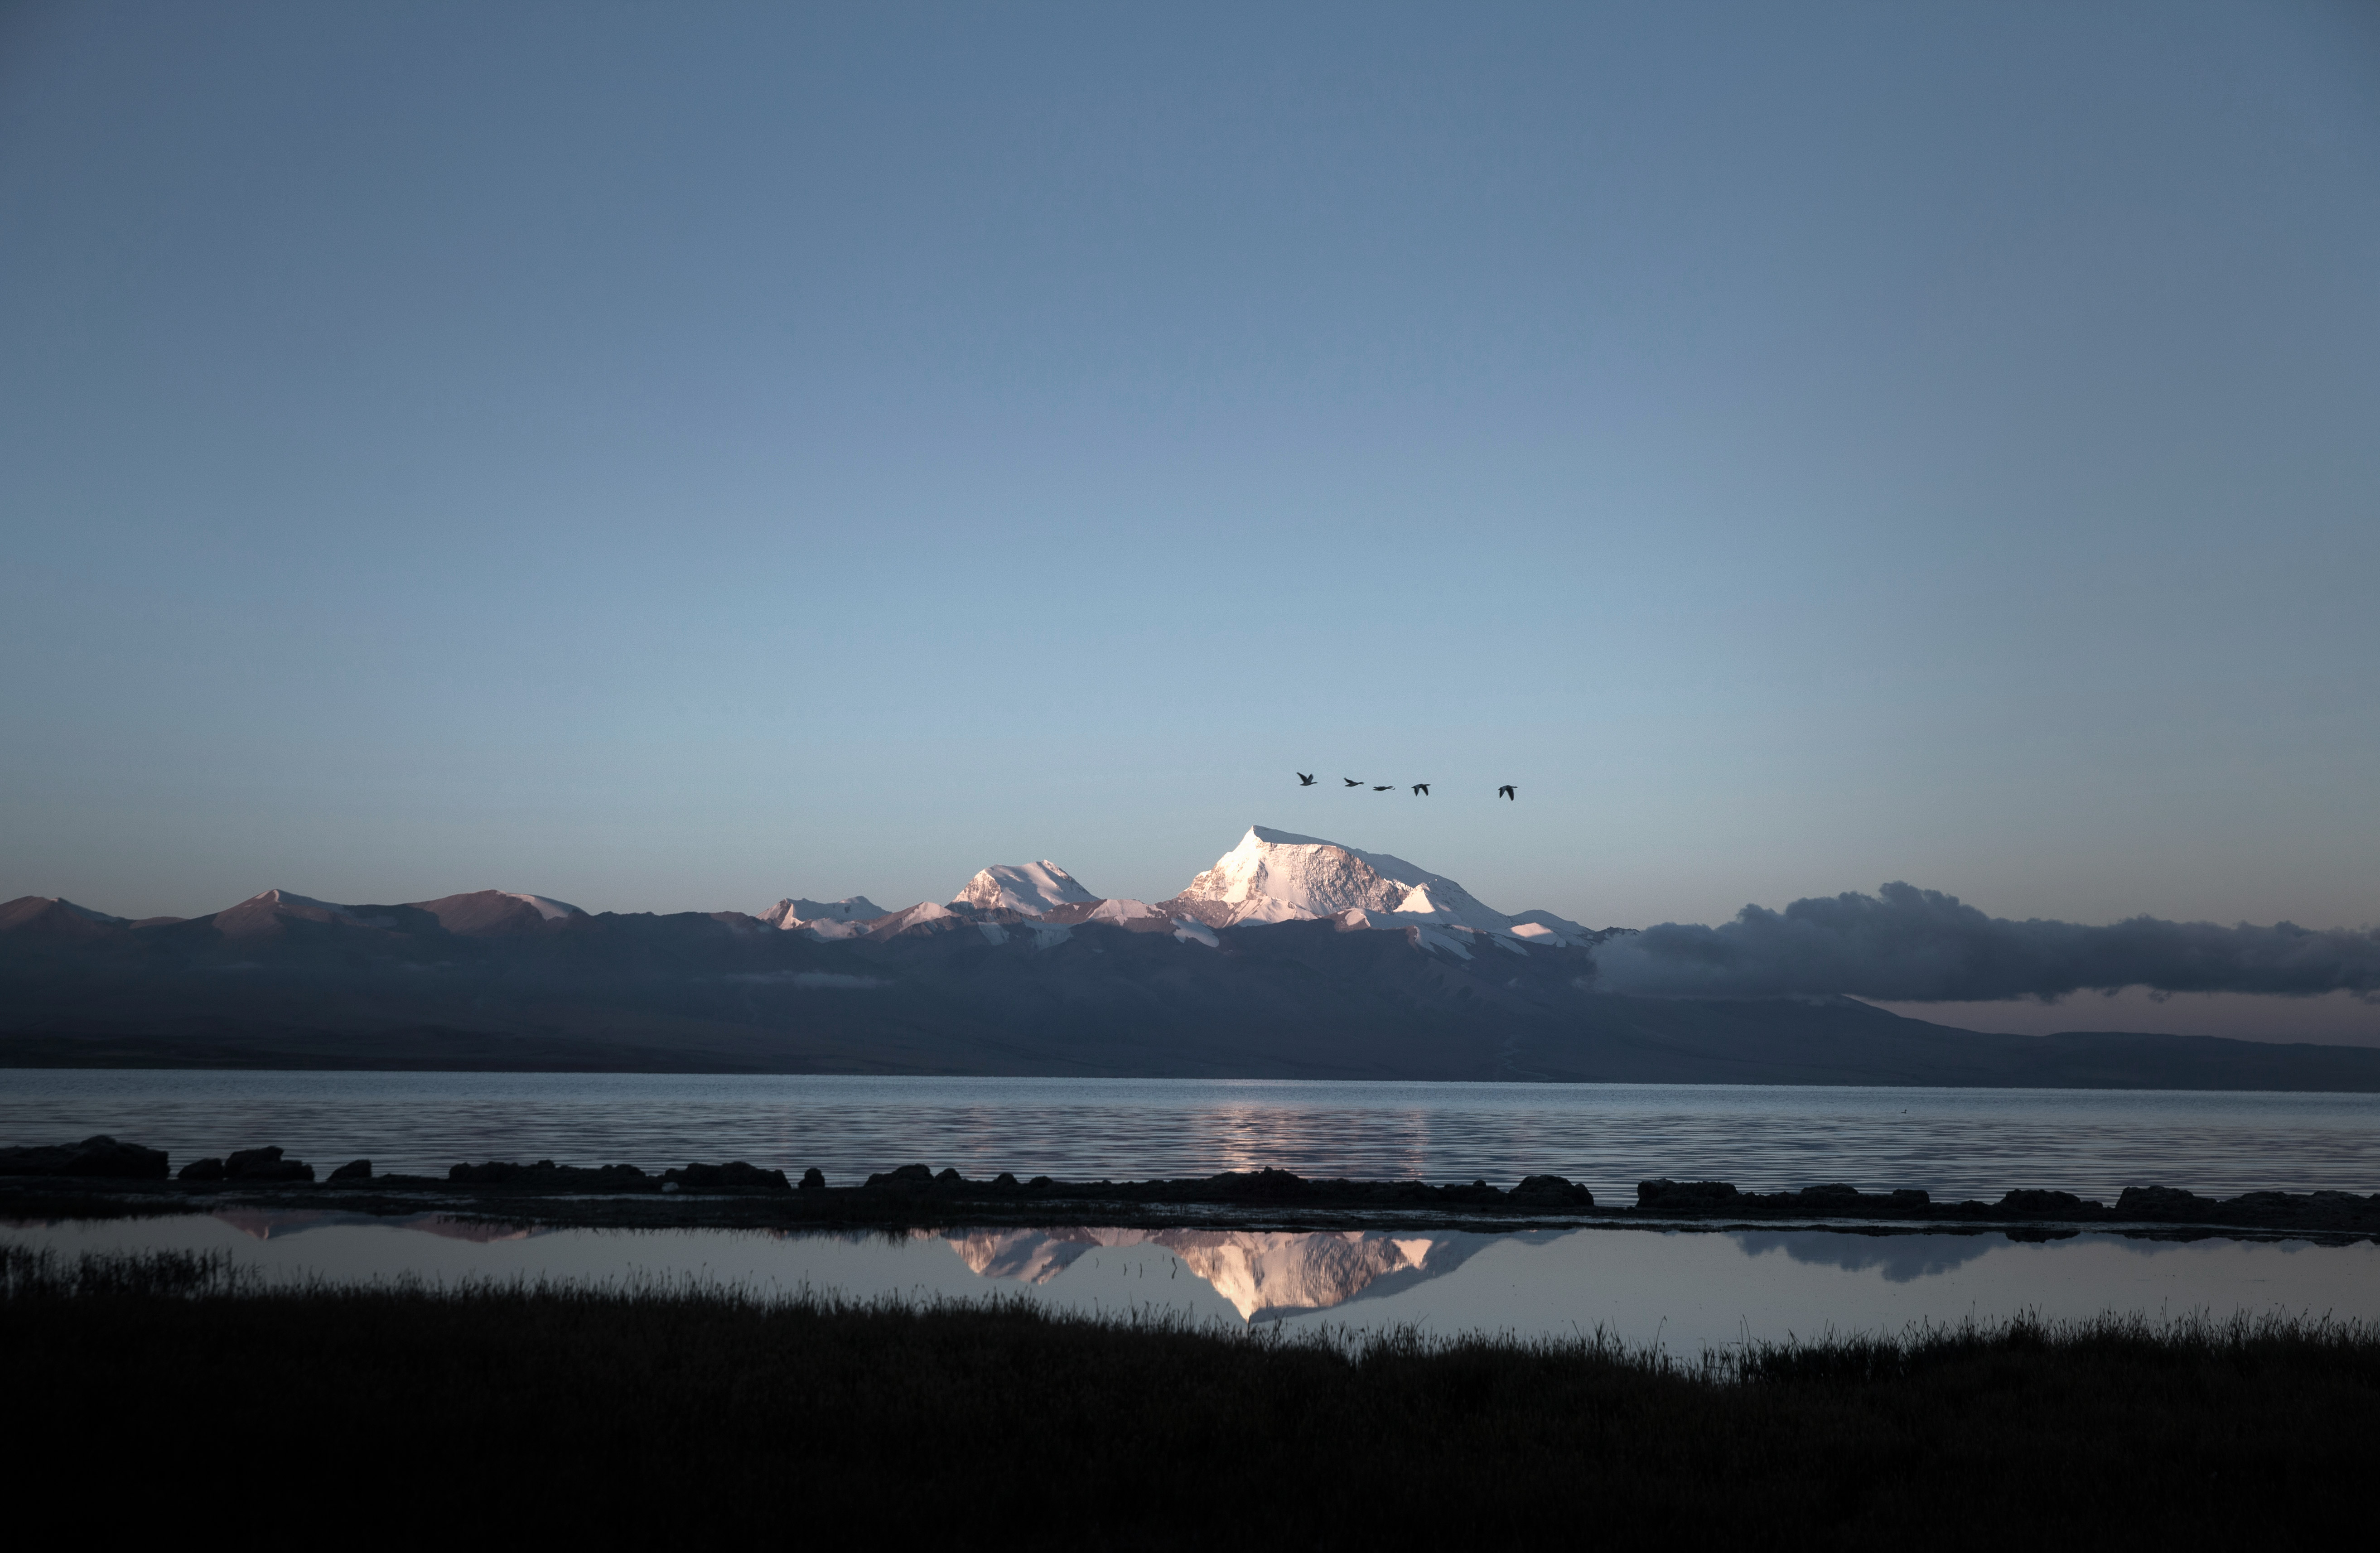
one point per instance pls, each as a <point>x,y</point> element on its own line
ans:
<point>1506,792</point>
<point>1304,780</point>
<point>1350,782</point>
<point>1383,787</point>
<point>1422,788</point>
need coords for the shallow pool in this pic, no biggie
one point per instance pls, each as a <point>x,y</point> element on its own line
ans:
<point>1685,1290</point>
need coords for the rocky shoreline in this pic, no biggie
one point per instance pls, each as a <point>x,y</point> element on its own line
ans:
<point>102,1177</point>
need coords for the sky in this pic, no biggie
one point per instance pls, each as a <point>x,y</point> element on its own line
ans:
<point>674,457</point>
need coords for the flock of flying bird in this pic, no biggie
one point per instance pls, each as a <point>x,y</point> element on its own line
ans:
<point>1421,789</point>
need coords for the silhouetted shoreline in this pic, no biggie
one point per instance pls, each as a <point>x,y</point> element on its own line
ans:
<point>101,1177</point>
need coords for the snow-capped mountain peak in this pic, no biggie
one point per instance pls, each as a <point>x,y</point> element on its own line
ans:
<point>547,906</point>
<point>795,911</point>
<point>1276,876</point>
<point>1031,888</point>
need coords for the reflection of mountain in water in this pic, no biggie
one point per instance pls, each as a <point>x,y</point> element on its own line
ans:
<point>278,1223</point>
<point>1902,1258</point>
<point>1264,1276</point>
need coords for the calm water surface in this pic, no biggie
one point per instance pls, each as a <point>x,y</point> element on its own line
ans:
<point>1685,1291</point>
<point>1954,1143</point>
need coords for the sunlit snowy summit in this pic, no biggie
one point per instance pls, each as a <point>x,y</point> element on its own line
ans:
<point>1273,876</point>
<point>825,919</point>
<point>1031,888</point>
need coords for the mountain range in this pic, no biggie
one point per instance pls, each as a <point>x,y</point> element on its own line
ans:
<point>1290,958</point>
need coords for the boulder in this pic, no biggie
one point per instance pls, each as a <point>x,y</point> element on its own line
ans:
<point>202,1170</point>
<point>735,1176</point>
<point>813,1179</point>
<point>1264,1186</point>
<point>908,1178</point>
<point>101,1155</point>
<point>1551,1191</point>
<point>1686,1196</point>
<point>549,1176</point>
<point>264,1164</point>
<point>2162,1204</point>
<point>2045,1204</point>
<point>354,1170</point>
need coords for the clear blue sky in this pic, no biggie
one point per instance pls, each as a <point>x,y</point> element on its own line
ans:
<point>675,456</point>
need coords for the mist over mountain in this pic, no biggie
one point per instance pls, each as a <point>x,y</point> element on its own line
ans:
<point>1292,956</point>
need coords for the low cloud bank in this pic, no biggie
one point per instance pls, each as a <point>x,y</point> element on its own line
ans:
<point>1904,944</point>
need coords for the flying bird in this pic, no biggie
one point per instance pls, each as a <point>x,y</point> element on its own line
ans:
<point>1422,788</point>
<point>1383,787</point>
<point>1304,780</point>
<point>1506,792</point>
<point>1350,782</point>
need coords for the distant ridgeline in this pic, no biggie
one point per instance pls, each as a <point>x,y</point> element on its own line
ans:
<point>1290,958</point>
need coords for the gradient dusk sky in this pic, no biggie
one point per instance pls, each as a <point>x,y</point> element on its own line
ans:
<point>670,457</point>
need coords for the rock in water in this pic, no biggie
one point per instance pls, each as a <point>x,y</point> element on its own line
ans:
<point>734,1176</point>
<point>2037,1204</point>
<point>1551,1191</point>
<point>99,1156</point>
<point>1685,1196</point>
<point>265,1164</point>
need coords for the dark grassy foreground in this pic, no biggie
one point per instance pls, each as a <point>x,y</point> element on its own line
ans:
<point>176,1398</point>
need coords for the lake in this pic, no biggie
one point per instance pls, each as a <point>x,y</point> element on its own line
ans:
<point>1953,1142</point>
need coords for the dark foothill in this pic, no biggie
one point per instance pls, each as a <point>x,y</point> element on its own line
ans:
<point>264,1164</point>
<point>813,1179</point>
<point>100,1156</point>
<point>354,1170</point>
<point>201,1169</point>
